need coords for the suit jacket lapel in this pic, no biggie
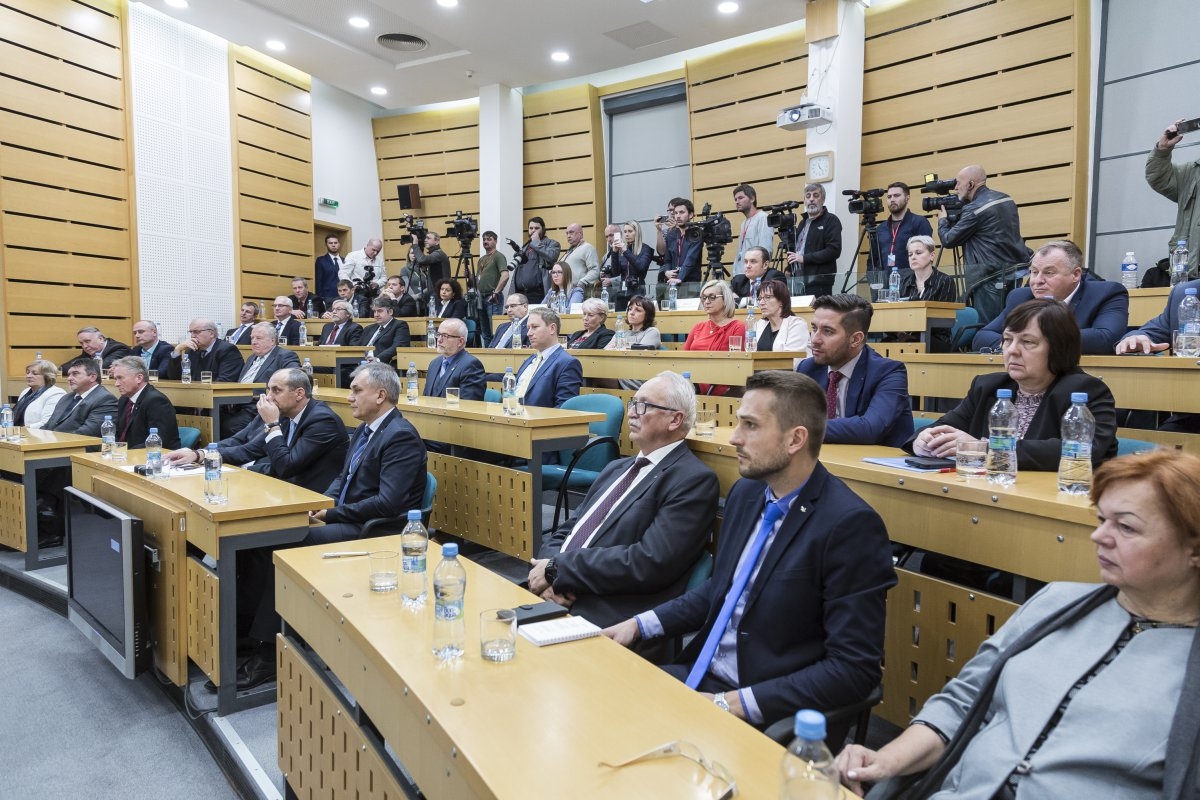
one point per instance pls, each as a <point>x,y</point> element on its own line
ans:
<point>633,494</point>
<point>857,381</point>
<point>798,515</point>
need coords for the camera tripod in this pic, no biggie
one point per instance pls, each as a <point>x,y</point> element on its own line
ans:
<point>874,257</point>
<point>714,270</point>
<point>476,310</point>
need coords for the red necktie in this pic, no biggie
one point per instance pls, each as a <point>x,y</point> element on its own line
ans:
<point>128,419</point>
<point>831,395</point>
<point>333,334</point>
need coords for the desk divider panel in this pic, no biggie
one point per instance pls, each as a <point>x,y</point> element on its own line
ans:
<point>12,511</point>
<point>203,600</point>
<point>483,503</point>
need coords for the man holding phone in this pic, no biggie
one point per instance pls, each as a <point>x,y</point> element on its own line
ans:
<point>1179,183</point>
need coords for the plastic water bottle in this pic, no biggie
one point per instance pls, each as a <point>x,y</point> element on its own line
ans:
<point>449,592</point>
<point>1129,268</point>
<point>308,369</point>
<point>751,336</point>
<point>100,367</point>
<point>410,382</point>
<point>1002,440</point>
<point>186,374</point>
<point>154,459</point>
<point>108,435</point>
<point>509,392</point>
<point>370,355</point>
<point>310,310</point>
<point>552,300</point>
<point>1189,312</point>
<point>214,492</point>
<point>430,332</point>
<point>621,335</point>
<point>894,285</point>
<point>1179,262</point>
<point>414,542</point>
<point>39,355</point>
<point>807,769</point>
<point>672,297</point>
<point>516,337</point>
<point>6,423</point>
<point>1078,429</point>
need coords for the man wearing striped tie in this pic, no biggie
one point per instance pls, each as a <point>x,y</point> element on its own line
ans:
<point>384,472</point>
<point>793,615</point>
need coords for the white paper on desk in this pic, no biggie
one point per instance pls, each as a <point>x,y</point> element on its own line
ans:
<point>687,304</point>
<point>899,463</point>
<point>556,631</point>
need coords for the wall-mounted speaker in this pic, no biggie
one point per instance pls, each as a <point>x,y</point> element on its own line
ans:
<point>409,194</point>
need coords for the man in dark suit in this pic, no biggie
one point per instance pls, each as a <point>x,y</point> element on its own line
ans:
<point>631,544</point>
<point>96,346</point>
<point>551,375</point>
<point>206,353</point>
<point>384,472</point>
<point>818,243</point>
<point>866,394</point>
<point>397,289</point>
<point>142,406</point>
<point>454,366</point>
<point>83,410</point>
<point>517,308</point>
<point>342,331</point>
<point>386,333</point>
<point>326,269</point>
<point>292,437</point>
<point>1100,307</point>
<point>246,319</point>
<point>682,254</point>
<point>793,615</point>
<point>300,299</point>
<point>266,358</point>
<point>156,354</point>
<point>287,327</point>
<point>757,261</point>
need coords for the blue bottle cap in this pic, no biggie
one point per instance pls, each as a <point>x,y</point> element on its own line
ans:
<point>412,363</point>
<point>107,417</point>
<point>450,550</point>
<point>1078,397</point>
<point>154,430</point>
<point>414,515</point>
<point>1190,290</point>
<point>1004,394</point>
<point>809,725</point>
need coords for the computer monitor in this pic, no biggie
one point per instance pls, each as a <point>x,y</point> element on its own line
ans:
<point>106,581</point>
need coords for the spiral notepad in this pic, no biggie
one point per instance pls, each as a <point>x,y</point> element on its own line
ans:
<point>557,631</point>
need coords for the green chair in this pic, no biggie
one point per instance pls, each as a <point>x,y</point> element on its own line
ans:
<point>583,466</point>
<point>386,525</point>
<point>188,437</point>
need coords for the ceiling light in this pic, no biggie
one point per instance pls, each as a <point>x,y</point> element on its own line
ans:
<point>378,91</point>
<point>560,56</point>
<point>276,45</point>
<point>447,3</point>
<point>727,7</point>
<point>359,22</point>
<point>176,3</point>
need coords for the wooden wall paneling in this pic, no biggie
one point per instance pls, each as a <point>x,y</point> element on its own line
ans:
<point>31,298</point>
<point>62,172</point>
<point>40,68</point>
<point>76,269</point>
<point>267,187</point>
<point>1029,153</point>
<point>563,127</point>
<point>51,137</point>
<point>24,22</point>
<point>62,204</point>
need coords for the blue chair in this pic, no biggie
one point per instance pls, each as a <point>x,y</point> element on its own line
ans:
<point>966,324</point>
<point>384,525</point>
<point>188,437</point>
<point>1127,446</point>
<point>922,422</point>
<point>583,466</point>
<point>491,396</point>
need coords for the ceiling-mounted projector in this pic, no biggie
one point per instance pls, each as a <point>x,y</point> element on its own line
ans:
<point>805,115</point>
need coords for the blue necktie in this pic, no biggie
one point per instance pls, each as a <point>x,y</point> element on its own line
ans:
<point>771,515</point>
<point>291,432</point>
<point>359,448</point>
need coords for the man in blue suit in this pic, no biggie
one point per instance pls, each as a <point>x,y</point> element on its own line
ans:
<point>793,615</point>
<point>1100,307</point>
<point>517,308</point>
<point>156,354</point>
<point>326,270</point>
<point>867,400</point>
<point>550,376</point>
<point>454,367</point>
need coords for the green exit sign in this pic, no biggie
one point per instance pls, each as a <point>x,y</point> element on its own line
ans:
<point>329,202</point>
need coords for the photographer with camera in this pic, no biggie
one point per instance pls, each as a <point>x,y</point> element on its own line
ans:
<point>756,232</point>
<point>818,244</point>
<point>435,262</point>
<point>355,267</point>
<point>988,229</point>
<point>900,225</point>
<point>1179,183</point>
<point>532,263</point>
<point>681,253</point>
<point>629,263</point>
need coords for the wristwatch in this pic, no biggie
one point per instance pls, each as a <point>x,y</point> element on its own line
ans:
<point>270,425</point>
<point>720,702</point>
<point>551,572</point>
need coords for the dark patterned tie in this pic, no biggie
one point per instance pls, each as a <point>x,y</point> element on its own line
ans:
<point>597,517</point>
<point>359,448</point>
<point>127,415</point>
<point>831,395</point>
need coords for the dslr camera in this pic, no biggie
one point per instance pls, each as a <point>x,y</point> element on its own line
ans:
<point>416,232</point>
<point>868,202</point>
<point>945,195</point>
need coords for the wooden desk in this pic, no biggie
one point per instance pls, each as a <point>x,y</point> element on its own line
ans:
<point>196,608</point>
<point>1146,304</point>
<point>495,506</point>
<point>1156,383</point>
<point>24,460</point>
<point>535,726</point>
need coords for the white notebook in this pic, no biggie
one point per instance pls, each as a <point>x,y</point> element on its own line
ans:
<point>556,631</point>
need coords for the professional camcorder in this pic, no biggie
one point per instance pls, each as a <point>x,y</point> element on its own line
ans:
<point>416,232</point>
<point>868,202</point>
<point>714,229</point>
<point>945,199</point>
<point>465,229</point>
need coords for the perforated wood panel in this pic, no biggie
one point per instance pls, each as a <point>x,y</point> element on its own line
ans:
<point>484,503</point>
<point>203,612</point>
<point>933,629</point>
<point>322,753</point>
<point>12,511</point>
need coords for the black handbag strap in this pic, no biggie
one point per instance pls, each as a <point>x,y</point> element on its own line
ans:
<point>1182,775</point>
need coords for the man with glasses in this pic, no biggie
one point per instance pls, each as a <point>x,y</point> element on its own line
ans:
<point>287,327</point>
<point>517,307</point>
<point>207,354</point>
<point>793,615</point>
<point>633,541</point>
<point>454,366</point>
<point>342,331</point>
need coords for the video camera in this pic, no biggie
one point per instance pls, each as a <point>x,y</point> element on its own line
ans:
<point>465,229</point>
<point>945,199</point>
<point>780,215</point>
<point>416,232</point>
<point>714,229</point>
<point>869,201</point>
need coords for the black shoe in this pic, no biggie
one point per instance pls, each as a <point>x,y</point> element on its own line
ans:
<point>49,541</point>
<point>255,672</point>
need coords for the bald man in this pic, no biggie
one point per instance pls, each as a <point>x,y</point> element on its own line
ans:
<point>582,258</point>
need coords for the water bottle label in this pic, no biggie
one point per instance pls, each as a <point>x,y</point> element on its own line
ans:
<point>448,610</point>
<point>1000,442</point>
<point>1076,449</point>
<point>412,563</point>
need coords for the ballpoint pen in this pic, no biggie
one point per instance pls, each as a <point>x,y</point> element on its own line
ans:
<point>345,554</point>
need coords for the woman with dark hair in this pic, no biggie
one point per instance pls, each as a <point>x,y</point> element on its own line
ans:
<point>1088,690</point>
<point>563,293</point>
<point>1041,361</point>
<point>448,301</point>
<point>639,321</point>
<point>779,329</point>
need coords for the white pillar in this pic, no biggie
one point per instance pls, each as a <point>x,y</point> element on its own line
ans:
<point>501,162</point>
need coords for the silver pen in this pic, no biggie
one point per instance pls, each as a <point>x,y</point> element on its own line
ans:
<point>345,554</point>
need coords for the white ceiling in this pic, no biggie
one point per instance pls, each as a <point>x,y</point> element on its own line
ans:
<point>479,43</point>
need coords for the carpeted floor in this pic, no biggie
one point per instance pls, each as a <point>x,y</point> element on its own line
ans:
<point>73,727</point>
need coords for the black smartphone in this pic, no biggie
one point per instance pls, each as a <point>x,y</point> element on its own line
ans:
<point>537,612</point>
<point>1188,125</point>
<point>929,462</point>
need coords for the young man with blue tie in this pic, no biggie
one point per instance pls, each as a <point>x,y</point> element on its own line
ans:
<point>793,615</point>
<point>550,376</point>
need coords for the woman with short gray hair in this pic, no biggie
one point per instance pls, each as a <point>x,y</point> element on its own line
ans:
<point>594,335</point>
